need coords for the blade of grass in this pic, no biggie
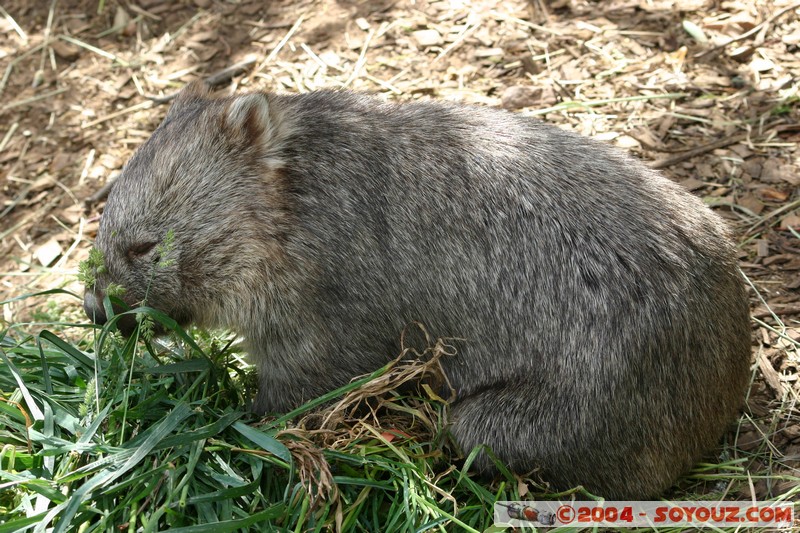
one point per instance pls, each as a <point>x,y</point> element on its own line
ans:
<point>156,434</point>
<point>33,409</point>
<point>265,441</point>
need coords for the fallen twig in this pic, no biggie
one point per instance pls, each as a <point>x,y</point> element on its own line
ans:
<point>572,104</point>
<point>8,135</point>
<point>361,60</point>
<point>141,105</point>
<point>14,62</point>
<point>224,75</point>
<point>771,215</point>
<point>700,150</point>
<point>100,195</point>
<point>721,143</point>
<point>466,32</point>
<point>13,23</point>
<point>752,31</point>
<point>215,79</point>
<point>272,55</point>
<point>785,311</point>
<point>98,51</point>
<point>32,99</point>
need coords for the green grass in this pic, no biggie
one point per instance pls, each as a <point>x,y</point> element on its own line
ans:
<point>154,435</point>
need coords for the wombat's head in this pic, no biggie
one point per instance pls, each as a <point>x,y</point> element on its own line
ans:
<point>193,217</point>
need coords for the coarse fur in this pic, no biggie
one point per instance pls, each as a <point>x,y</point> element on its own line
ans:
<point>605,324</point>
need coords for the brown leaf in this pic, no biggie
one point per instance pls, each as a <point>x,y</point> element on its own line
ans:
<point>775,171</point>
<point>66,51</point>
<point>768,193</point>
<point>60,162</point>
<point>791,221</point>
<point>522,488</point>
<point>692,184</point>
<point>520,96</point>
<point>753,167</point>
<point>750,202</point>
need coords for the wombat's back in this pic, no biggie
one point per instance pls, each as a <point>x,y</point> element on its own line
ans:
<point>606,323</point>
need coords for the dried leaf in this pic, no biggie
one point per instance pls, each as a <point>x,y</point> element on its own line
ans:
<point>769,193</point>
<point>791,221</point>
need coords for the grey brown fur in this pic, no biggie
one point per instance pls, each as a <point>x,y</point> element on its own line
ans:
<point>606,325</point>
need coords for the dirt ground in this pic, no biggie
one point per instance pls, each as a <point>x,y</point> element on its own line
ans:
<point>705,90</point>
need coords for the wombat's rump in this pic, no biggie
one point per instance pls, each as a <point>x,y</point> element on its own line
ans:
<point>606,325</point>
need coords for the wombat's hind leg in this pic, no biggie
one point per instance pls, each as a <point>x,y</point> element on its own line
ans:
<point>533,429</point>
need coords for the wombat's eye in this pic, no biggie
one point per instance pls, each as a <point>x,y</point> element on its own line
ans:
<point>139,249</point>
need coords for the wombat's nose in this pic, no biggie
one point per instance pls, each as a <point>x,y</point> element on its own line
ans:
<point>93,307</point>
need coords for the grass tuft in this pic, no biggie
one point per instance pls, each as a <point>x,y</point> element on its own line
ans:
<point>100,432</point>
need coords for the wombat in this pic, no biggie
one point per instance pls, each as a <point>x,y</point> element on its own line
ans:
<point>605,323</point>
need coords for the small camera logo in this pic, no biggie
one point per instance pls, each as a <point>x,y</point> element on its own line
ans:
<point>518,511</point>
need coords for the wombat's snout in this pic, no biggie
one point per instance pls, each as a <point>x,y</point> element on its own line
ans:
<point>93,307</point>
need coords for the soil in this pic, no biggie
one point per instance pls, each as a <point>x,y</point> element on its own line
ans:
<point>705,90</point>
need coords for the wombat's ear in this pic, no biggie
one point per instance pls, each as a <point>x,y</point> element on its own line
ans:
<point>248,115</point>
<point>192,92</point>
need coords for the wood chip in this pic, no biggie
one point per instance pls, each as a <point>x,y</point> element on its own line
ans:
<point>742,54</point>
<point>520,96</point>
<point>489,52</point>
<point>427,37</point>
<point>771,376</point>
<point>791,38</point>
<point>48,252</point>
<point>66,51</point>
<point>761,65</point>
